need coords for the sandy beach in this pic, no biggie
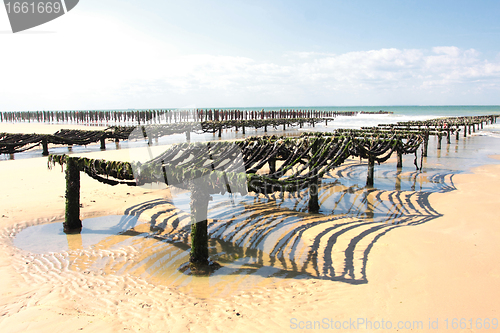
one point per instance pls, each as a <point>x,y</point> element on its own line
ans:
<point>423,277</point>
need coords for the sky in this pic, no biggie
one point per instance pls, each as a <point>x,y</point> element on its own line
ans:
<point>120,54</point>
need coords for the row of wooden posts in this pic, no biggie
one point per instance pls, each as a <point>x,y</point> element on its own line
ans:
<point>163,116</point>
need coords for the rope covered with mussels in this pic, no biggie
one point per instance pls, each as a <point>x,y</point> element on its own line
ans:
<point>16,143</point>
<point>251,163</point>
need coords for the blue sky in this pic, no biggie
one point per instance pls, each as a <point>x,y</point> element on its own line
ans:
<point>167,54</point>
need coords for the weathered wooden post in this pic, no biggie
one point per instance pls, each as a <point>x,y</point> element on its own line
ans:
<point>465,130</point>
<point>399,163</point>
<point>439,140</point>
<point>448,135</point>
<point>45,147</point>
<point>199,231</point>
<point>426,143</point>
<point>188,136</point>
<point>313,204</point>
<point>243,128</point>
<point>272,165</point>
<point>371,170</point>
<point>457,132</point>
<point>103,143</point>
<point>72,223</point>
<point>220,131</point>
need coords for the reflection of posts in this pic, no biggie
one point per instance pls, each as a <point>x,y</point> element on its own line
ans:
<point>199,232</point>
<point>369,204</point>
<point>72,223</point>
<point>75,242</point>
<point>398,180</point>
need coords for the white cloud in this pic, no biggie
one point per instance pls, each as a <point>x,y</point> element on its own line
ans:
<point>110,65</point>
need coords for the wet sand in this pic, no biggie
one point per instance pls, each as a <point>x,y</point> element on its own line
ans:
<point>436,258</point>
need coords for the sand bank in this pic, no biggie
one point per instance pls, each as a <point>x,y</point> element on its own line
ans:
<point>442,269</point>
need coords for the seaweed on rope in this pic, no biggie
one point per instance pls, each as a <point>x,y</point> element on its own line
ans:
<point>236,166</point>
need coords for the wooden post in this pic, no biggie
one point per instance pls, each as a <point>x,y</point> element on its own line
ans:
<point>439,140</point>
<point>45,147</point>
<point>457,136</point>
<point>465,131</point>
<point>72,223</point>
<point>313,204</point>
<point>426,144</point>
<point>188,136</point>
<point>103,143</point>
<point>400,159</point>
<point>243,128</point>
<point>272,165</point>
<point>371,168</point>
<point>448,134</point>
<point>220,131</point>
<point>199,231</point>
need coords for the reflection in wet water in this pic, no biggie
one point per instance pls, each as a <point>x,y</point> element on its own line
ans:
<point>50,237</point>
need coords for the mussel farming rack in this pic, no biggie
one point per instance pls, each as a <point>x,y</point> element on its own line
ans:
<point>11,143</point>
<point>265,165</point>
